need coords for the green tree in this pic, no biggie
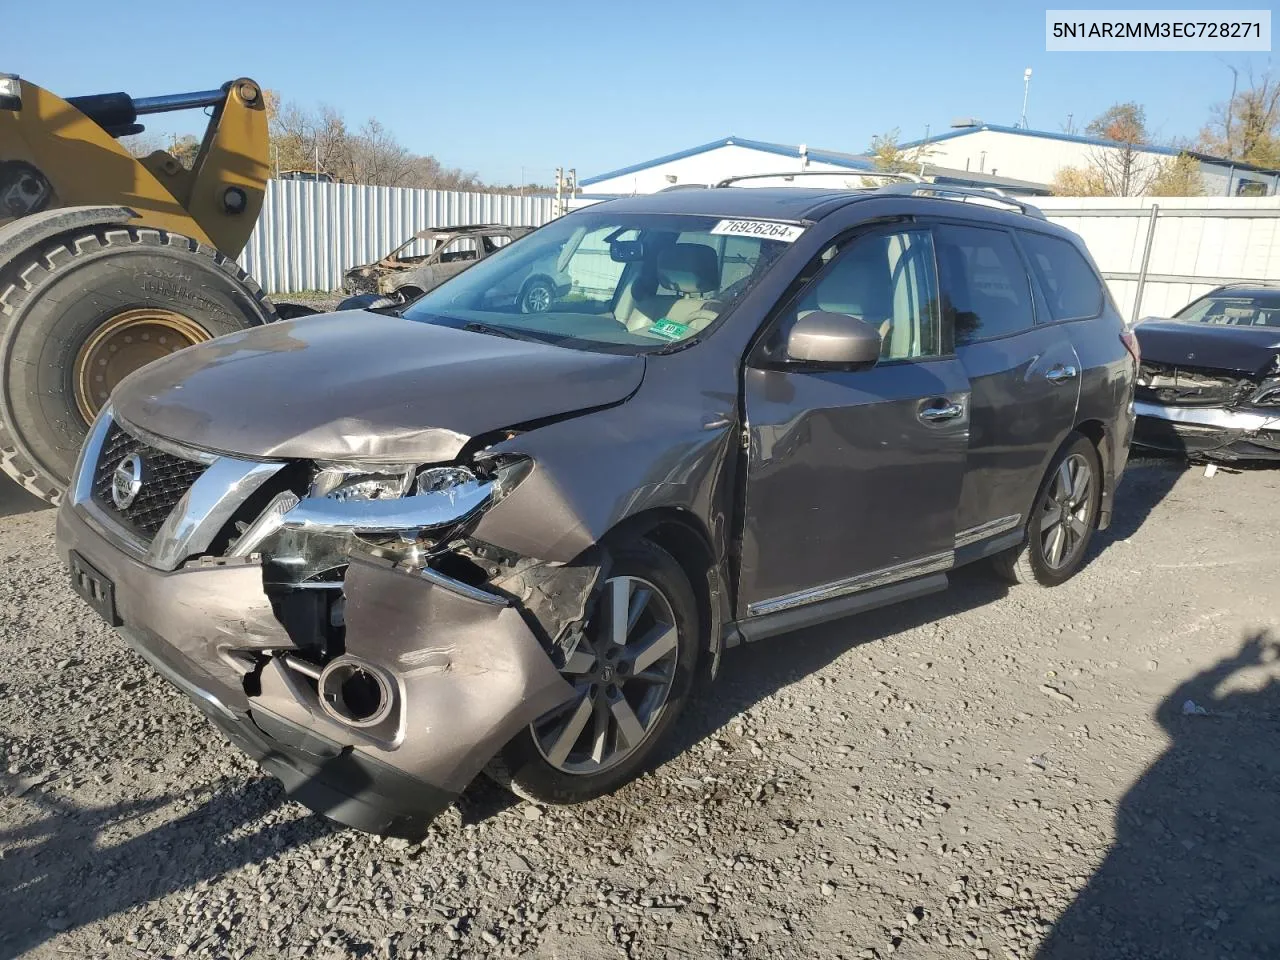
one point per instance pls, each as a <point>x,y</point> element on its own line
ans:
<point>1078,182</point>
<point>886,155</point>
<point>1179,177</point>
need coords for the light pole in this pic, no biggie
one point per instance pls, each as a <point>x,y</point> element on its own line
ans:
<point>1026,92</point>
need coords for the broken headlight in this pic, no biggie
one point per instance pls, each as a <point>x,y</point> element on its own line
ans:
<point>399,512</point>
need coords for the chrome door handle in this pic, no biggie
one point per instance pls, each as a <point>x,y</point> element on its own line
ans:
<point>1061,373</point>
<point>939,414</point>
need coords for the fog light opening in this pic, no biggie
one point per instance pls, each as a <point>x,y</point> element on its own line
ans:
<point>354,694</point>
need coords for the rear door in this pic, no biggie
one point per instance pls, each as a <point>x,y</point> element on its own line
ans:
<point>1024,378</point>
<point>853,477</point>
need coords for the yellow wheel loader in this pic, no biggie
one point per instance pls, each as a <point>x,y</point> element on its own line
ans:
<point>108,261</point>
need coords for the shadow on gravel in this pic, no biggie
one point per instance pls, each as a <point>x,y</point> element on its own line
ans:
<point>1195,869</point>
<point>750,673</point>
<point>1146,481</point>
<point>14,500</point>
<point>72,868</point>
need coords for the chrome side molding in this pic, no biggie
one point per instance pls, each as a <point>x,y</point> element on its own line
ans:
<point>989,529</point>
<point>934,563</point>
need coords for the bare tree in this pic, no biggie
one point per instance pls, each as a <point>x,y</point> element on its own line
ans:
<point>183,148</point>
<point>1247,126</point>
<point>1121,167</point>
<point>304,139</point>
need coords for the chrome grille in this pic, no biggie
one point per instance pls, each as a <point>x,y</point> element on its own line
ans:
<point>165,478</point>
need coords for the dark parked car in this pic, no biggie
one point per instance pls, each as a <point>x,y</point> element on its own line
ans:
<point>1209,385</point>
<point>383,556</point>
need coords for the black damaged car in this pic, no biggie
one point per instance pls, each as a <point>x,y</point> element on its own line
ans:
<point>1209,383</point>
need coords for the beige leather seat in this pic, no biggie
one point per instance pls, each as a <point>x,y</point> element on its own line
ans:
<point>859,287</point>
<point>692,270</point>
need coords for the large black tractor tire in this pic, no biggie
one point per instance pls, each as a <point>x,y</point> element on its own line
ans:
<point>86,308</point>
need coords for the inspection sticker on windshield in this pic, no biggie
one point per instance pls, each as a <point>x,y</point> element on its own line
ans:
<point>668,329</point>
<point>764,229</point>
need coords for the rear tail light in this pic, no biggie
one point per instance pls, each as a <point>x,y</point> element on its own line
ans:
<point>1130,341</point>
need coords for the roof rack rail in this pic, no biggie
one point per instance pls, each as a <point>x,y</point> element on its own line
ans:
<point>963,194</point>
<point>788,174</point>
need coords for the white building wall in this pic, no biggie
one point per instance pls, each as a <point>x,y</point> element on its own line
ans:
<point>1027,157</point>
<point>1021,157</point>
<point>709,167</point>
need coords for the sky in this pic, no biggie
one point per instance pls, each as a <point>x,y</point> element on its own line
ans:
<point>513,89</point>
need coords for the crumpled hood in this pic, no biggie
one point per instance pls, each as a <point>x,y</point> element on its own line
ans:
<point>1247,350</point>
<point>363,386</point>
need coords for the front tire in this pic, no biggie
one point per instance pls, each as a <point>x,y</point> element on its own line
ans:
<point>1063,520</point>
<point>87,309</point>
<point>632,675</point>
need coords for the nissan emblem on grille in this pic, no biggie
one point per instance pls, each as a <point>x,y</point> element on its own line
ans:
<point>126,481</point>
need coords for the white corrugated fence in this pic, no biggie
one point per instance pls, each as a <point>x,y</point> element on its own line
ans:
<point>1198,243</point>
<point>309,233</point>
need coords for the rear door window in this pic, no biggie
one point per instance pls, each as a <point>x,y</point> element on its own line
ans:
<point>1072,289</point>
<point>985,288</point>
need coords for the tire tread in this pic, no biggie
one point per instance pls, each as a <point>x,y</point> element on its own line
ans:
<point>40,265</point>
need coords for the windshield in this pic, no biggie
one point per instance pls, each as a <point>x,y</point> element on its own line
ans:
<point>1255,310</point>
<point>622,283</point>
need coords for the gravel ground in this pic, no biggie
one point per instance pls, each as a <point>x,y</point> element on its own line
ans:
<point>985,773</point>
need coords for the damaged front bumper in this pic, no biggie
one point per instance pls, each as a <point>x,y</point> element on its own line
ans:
<point>1238,433</point>
<point>455,670</point>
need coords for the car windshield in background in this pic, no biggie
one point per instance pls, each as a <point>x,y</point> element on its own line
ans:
<point>1254,310</point>
<point>624,283</point>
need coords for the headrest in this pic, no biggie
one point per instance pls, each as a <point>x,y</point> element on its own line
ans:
<point>688,268</point>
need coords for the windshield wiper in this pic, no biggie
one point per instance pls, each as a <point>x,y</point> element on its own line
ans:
<point>475,326</point>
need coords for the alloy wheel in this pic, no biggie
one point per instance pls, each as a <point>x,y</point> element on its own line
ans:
<point>537,299</point>
<point>621,671</point>
<point>1064,515</point>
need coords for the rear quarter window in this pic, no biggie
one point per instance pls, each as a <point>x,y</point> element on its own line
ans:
<point>1070,286</point>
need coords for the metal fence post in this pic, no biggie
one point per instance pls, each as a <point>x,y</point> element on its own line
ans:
<point>1146,260</point>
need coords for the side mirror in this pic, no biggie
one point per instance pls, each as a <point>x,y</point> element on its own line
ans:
<point>835,339</point>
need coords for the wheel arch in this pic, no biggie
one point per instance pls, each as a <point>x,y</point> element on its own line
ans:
<point>410,291</point>
<point>530,281</point>
<point>683,535</point>
<point>1097,434</point>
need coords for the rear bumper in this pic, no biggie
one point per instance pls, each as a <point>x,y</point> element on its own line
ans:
<point>1217,432</point>
<point>466,674</point>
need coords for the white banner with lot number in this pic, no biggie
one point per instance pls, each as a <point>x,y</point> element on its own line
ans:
<point>764,229</point>
<point>1130,31</point>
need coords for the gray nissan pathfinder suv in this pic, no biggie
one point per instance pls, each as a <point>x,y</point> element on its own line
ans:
<point>384,551</point>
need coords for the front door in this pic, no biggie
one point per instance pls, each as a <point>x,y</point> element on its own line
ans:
<point>1024,376</point>
<point>853,477</point>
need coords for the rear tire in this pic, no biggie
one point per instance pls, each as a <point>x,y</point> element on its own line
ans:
<point>532,767</point>
<point>54,300</point>
<point>1063,520</point>
<point>537,296</point>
